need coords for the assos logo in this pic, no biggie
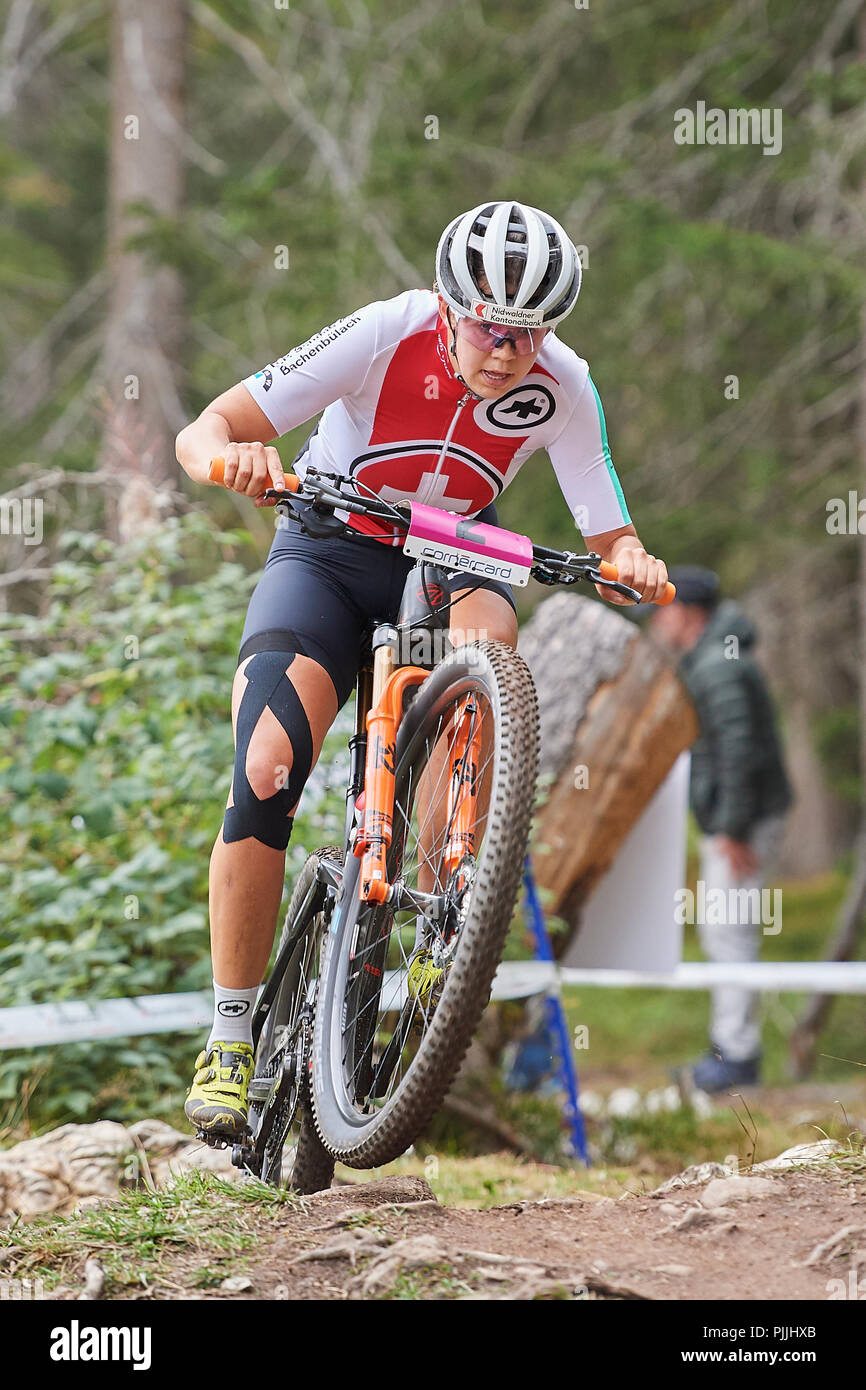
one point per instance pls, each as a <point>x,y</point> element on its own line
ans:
<point>232,1008</point>
<point>522,408</point>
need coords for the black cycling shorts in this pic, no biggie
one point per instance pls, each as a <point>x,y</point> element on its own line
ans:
<point>318,597</point>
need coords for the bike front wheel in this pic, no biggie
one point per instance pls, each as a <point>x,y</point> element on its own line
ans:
<point>403,986</point>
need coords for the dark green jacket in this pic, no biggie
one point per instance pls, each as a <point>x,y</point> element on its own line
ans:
<point>738,776</point>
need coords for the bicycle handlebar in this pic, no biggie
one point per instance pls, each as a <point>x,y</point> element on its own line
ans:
<point>610,571</point>
<point>554,566</point>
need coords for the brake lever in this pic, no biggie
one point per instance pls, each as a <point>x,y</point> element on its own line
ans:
<point>321,523</point>
<point>595,577</point>
<point>278,494</point>
<point>571,567</point>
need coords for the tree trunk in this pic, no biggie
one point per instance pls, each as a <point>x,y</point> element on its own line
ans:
<point>861,435</point>
<point>614,718</point>
<point>852,917</point>
<point>804,1039</point>
<point>144,329</point>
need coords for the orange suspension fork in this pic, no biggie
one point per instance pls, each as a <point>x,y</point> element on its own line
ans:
<point>374,835</point>
<point>463,785</point>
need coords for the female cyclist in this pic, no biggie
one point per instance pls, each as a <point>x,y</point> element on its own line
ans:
<point>433,397</point>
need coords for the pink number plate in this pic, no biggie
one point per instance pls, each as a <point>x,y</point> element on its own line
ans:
<point>473,547</point>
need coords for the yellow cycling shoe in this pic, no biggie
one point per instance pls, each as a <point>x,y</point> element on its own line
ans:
<point>217,1099</point>
<point>424,978</point>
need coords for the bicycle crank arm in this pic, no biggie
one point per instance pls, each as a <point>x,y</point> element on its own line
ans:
<point>262,1088</point>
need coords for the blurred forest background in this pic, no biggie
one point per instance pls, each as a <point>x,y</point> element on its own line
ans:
<point>190,187</point>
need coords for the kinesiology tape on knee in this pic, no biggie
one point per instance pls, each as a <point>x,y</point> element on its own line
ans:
<point>268,687</point>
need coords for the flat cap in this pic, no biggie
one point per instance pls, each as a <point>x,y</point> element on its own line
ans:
<point>696,585</point>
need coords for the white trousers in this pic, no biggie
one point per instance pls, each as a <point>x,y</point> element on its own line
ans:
<point>735,1027</point>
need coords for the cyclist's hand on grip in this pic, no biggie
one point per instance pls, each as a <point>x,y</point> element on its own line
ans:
<point>249,469</point>
<point>640,571</point>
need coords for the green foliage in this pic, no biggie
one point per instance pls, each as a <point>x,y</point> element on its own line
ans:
<point>115,762</point>
<point>837,737</point>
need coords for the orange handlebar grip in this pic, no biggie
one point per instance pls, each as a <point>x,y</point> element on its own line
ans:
<point>217,471</point>
<point>609,571</point>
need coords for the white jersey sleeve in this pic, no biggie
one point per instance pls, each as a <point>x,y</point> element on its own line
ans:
<point>581,459</point>
<point>330,365</point>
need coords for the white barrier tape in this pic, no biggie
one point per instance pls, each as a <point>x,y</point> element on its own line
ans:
<point>783,976</point>
<point>46,1025</point>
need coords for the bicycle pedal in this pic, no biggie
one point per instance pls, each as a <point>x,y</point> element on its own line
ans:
<point>223,1141</point>
<point>213,1141</point>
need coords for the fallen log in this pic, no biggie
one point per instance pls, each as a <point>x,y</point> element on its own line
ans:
<point>614,718</point>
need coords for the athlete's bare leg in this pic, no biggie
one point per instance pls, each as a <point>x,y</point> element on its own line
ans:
<point>246,877</point>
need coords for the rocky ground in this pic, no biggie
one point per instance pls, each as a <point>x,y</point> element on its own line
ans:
<point>133,1216</point>
<point>784,1237</point>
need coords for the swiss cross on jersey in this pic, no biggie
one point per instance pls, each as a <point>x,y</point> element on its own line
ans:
<point>484,437</point>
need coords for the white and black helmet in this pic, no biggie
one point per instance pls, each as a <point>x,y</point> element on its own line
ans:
<point>508,244</point>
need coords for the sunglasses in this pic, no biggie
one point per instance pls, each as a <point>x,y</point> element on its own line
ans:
<point>487,336</point>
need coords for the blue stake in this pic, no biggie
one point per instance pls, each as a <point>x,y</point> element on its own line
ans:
<point>556,1021</point>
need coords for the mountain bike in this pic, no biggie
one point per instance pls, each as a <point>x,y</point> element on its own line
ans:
<point>392,939</point>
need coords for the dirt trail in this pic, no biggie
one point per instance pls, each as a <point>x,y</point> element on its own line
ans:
<point>793,1228</point>
<point>392,1239</point>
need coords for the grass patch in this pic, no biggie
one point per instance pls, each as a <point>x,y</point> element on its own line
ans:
<point>138,1238</point>
<point>443,1282</point>
<point>491,1180</point>
<point>667,1142</point>
<point>848,1161</point>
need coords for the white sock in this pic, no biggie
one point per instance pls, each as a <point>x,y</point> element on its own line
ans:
<point>233,1014</point>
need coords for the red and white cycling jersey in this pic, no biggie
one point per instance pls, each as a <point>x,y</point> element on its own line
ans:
<point>397,421</point>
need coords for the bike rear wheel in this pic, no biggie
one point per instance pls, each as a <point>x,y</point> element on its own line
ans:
<point>387,1046</point>
<point>285,1138</point>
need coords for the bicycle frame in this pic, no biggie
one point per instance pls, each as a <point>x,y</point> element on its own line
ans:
<point>381,719</point>
<point>374,833</point>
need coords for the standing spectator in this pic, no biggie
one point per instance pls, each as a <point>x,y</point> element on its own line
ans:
<point>739,794</point>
